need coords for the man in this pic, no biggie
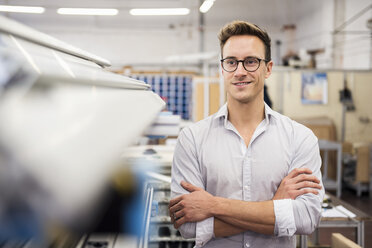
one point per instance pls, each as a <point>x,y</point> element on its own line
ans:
<point>246,176</point>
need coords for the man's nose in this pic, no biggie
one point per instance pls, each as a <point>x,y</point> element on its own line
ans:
<point>240,70</point>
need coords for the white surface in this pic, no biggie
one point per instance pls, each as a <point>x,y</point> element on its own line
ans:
<point>338,211</point>
<point>19,30</point>
<point>71,138</point>
<point>343,210</point>
<point>163,130</point>
<point>53,66</point>
<point>332,213</point>
<point>168,119</point>
<point>66,122</point>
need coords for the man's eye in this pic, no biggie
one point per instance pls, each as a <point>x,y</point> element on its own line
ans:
<point>251,61</point>
<point>230,62</point>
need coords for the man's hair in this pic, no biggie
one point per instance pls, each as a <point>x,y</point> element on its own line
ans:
<point>245,28</point>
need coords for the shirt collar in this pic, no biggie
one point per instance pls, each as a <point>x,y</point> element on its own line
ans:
<point>269,112</point>
<point>223,112</point>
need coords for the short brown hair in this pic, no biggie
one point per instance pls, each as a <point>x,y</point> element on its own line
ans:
<point>245,28</point>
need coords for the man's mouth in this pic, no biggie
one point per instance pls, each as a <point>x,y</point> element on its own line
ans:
<point>241,83</point>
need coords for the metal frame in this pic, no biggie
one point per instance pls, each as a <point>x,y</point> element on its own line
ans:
<point>358,224</point>
<point>325,145</point>
<point>144,240</point>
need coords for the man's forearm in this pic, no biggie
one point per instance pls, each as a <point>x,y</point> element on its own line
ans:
<point>223,229</point>
<point>230,226</point>
<point>254,216</point>
<point>200,205</point>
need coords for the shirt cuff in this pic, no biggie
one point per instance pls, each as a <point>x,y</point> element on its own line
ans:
<point>284,218</point>
<point>204,232</point>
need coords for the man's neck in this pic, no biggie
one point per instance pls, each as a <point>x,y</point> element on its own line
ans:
<point>246,115</point>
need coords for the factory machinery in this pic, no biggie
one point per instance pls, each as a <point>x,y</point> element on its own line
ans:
<point>65,123</point>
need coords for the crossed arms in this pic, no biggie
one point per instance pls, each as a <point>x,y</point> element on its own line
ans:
<point>235,216</point>
<point>295,207</point>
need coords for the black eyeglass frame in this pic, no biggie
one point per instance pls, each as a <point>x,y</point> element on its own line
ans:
<point>242,61</point>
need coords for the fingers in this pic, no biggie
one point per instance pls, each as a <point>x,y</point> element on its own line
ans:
<point>305,177</point>
<point>177,218</point>
<point>179,222</point>
<point>308,190</point>
<point>308,184</point>
<point>174,208</point>
<point>189,187</point>
<point>175,201</point>
<point>176,215</point>
<point>298,171</point>
<point>303,191</point>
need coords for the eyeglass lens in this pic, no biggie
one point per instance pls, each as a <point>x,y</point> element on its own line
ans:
<point>250,64</point>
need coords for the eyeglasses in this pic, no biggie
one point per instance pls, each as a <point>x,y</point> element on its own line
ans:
<point>250,64</point>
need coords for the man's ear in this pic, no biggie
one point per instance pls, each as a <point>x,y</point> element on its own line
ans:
<point>269,68</point>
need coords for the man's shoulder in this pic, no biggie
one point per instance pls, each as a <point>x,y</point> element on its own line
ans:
<point>293,126</point>
<point>202,125</point>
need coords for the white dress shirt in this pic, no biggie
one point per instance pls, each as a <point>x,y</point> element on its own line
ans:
<point>212,155</point>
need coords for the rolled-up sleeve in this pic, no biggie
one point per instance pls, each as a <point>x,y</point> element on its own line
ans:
<point>301,215</point>
<point>186,168</point>
<point>307,207</point>
<point>284,219</point>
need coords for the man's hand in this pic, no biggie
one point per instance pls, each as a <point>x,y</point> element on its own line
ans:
<point>298,182</point>
<point>191,207</point>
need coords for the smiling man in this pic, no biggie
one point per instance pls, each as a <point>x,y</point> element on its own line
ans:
<point>246,176</point>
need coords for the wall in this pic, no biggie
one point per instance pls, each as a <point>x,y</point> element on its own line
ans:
<point>285,91</point>
<point>358,45</point>
<point>314,28</point>
<point>131,47</point>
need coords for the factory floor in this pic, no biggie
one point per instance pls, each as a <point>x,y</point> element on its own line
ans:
<point>363,203</point>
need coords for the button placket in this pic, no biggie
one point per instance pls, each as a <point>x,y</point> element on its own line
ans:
<point>247,175</point>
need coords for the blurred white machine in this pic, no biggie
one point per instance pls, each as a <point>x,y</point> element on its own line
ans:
<point>64,123</point>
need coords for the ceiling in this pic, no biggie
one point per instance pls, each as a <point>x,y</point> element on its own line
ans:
<point>262,12</point>
<point>314,21</point>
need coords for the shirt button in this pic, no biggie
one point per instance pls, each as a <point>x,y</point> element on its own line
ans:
<point>247,245</point>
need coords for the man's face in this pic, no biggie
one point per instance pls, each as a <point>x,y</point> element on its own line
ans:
<point>243,86</point>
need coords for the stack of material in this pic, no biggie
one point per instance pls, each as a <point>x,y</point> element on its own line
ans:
<point>165,124</point>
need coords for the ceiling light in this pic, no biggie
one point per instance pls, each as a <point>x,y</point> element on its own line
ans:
<point>168,11</point>
<point>22,9</point>
<point>86,11</point>
<point>206,5</point>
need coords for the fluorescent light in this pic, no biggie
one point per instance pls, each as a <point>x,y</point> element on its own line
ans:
<point>86,11</point>
<point>157,11</point>
<point>22,9</point>
<point>206,5</point>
